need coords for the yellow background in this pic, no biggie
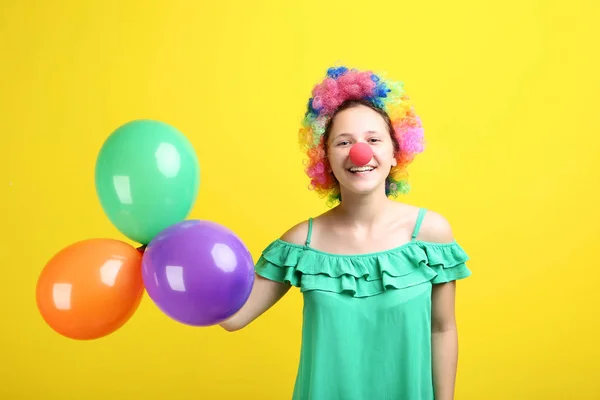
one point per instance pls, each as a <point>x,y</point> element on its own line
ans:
<point>508,92</point>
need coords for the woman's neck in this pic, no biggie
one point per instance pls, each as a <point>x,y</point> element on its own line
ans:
<point>364,210</point>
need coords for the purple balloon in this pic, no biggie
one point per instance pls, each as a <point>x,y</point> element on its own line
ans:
<point>198,272</point>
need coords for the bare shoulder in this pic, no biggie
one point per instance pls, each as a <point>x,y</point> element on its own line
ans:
<point>297,234</point>
<point>435,228</point>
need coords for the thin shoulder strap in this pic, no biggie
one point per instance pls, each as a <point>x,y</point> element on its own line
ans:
<point>308,236</point>
<point>420,217</point>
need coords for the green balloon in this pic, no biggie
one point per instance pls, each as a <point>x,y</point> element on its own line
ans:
<point>147,178</point>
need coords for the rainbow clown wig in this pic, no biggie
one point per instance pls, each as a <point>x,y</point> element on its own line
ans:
<point>340,85</point>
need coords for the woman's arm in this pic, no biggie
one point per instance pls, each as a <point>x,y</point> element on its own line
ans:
<point>265,293</point>
<point>444,340</point>
<point>444,336</point>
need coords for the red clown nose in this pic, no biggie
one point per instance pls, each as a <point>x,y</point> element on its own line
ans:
<point>360,154</point>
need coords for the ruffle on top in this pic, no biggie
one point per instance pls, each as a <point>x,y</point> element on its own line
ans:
<point>363,275</point>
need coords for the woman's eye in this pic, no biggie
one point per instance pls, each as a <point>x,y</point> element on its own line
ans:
<point>374,140</point>
<point>343,143</point>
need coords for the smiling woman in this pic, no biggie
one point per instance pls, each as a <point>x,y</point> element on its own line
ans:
<point>357,122</point>
<point>378,273</point>
<point>342,90</point>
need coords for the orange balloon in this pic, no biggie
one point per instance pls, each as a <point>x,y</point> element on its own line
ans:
<point>91,288</point>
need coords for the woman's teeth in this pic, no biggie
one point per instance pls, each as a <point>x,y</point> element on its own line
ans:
<point>361,169</point>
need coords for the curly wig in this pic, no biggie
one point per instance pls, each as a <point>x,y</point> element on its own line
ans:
<point>343,88</point>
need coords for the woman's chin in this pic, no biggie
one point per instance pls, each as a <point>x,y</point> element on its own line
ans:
<point>363,188</point>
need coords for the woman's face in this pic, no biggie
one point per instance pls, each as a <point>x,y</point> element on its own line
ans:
<point>355,125</point>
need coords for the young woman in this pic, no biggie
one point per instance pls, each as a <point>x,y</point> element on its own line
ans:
<point>377,276</point>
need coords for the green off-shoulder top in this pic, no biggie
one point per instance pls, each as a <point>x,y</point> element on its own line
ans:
<point>366,331</point>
